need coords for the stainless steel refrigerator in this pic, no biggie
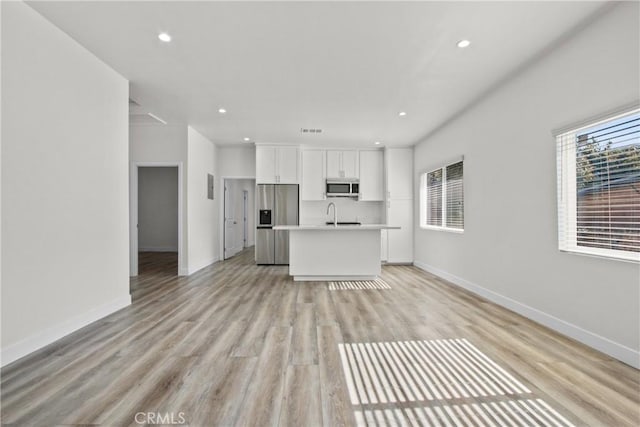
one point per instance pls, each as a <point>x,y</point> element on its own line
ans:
<point>277,204</point>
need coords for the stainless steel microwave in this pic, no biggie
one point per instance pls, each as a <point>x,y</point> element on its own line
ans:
<point>343,188</point>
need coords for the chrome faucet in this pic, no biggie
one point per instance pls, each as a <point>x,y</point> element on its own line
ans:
<point>335,213</point>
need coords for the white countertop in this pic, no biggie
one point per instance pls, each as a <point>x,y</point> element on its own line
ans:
<point>323,227</point>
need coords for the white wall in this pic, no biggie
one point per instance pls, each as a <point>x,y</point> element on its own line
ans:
<point>203,213</point>
<point>64,184</point>
<point>315,212</point>
<point>157,143</point>
<point>237,161</point>
<point>158,209</point>
<point>509,249</point>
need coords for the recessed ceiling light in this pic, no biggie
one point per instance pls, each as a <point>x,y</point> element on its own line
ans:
<point>463,43</point>
<point>377,142</point>
<point>164,37</point>
<point>402,113</point>
<point>222,110</point>
<point>247,139</point>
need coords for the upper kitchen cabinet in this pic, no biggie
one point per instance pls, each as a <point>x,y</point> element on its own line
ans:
<point>342,164</point>
<point>265,164</point>
<point>399,173</point>
<point>371,175</point>
<point>287,164</point>
<point>313,175</point>
<point>276,164</point>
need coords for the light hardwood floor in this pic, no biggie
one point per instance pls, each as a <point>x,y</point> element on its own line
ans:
<point>241,345</point>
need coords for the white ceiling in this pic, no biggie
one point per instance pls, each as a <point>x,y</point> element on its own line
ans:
<point>348,68</point>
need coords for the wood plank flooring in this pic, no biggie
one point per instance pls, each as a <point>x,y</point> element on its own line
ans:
<point>243,345</point>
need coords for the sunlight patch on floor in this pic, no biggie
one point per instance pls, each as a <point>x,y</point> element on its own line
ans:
<point>452,382</point>
<point>358,285</point>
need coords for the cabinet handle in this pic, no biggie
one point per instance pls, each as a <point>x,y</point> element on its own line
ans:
<point>388,194</point>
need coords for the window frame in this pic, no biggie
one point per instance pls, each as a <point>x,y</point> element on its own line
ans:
<point>424,193</point>
<point>567,205</point>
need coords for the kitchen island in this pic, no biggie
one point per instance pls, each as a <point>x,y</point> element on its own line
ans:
<point>331,253</point>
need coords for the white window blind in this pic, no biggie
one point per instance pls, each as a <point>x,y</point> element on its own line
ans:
<point>442,204</point>
<point>455,199</point>
<point>599,188</point>
<point>434,197</point>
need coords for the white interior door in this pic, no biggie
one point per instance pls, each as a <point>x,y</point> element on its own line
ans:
<point>230,221</point>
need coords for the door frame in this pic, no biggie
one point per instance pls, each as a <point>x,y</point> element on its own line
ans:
<point>225,198</point>
<point>221,208</point>
<point>133,214</point>
<point>245,219</point>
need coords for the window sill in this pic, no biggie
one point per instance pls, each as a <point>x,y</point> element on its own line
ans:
<point>447,229</point>
<point>613,255</point>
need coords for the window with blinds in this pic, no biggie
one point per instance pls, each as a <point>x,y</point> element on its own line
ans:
<point>455,199</point>
<point>599,188</point>
<point>442,204</point>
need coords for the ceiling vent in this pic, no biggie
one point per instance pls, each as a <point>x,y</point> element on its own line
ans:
<point>308,130</point>
<point>145,119</point>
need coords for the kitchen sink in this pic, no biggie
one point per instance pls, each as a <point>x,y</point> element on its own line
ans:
<point>344,223</point>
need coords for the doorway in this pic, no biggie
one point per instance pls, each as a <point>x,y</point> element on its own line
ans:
<point>238,216</point>
<point>155,219</point>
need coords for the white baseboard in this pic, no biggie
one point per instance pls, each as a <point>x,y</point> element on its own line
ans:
<point>183,271</point>
<point>158,249</point>
<point>616,350</point>
<point>203,265</point>
<point>30,344</point>
<point>332,278</point>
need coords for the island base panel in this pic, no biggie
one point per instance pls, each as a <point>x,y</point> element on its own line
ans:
<point>331,278</point>
<point>330,255</point>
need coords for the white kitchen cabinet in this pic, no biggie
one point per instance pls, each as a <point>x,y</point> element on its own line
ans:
<point>334,164</point>
<point>384,249</point>
<point>371,175</point>
<point>342,164</point>
<point>399,173</point>
<point>276,164</point>
<point>265,165</point>
<point>287,165</point>
<point>313,175</point>
<point>400,242</point>
<point>350,164</point>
